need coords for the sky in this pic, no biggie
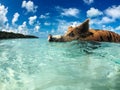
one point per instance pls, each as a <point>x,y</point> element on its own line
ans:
<point>41,17</point>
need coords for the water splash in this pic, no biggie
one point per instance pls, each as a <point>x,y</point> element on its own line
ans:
<point>35,64</point>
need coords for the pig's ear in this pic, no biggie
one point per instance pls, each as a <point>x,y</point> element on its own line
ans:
<point>84,27</point>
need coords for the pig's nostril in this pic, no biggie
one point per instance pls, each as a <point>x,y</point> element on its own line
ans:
<point>49,37</point>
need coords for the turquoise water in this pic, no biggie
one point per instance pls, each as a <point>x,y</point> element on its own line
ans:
<point>35,64</point>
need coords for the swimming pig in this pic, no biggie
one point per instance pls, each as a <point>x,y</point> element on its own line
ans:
<point>84,33</point>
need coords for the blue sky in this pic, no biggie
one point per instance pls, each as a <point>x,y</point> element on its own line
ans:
<point>41,17</point>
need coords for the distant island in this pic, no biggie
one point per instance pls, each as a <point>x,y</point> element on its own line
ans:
<point>11,35</point>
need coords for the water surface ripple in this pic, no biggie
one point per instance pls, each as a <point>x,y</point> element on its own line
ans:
<point>35,64</point>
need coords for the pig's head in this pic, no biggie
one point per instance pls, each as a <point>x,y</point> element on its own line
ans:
<point>73,33</point>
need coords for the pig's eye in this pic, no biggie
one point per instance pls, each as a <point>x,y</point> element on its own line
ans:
<point>71,34</point>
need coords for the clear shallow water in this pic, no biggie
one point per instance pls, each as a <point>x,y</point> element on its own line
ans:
<point>35,64</point>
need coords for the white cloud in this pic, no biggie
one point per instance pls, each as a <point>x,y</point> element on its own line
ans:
<point>117,28</point>
<point>9,28</point>
<point>88,1</point>
<point>47,23</point>
<point>63,26</point>
<point>4,30</point>
<point>101,24</point>
<point>74,24</point>
<point>110,28</point>
<point>107,20</point>
<point>70,12</point>
<point>45,16</point>
<point>101,21</point>
<point>37,28</point>
<point>3,13</point>
<point>94,21</point>
<point>93,12</point>
<point>113,12</point>
<point>42,16</point>
<point>32,19</point>
<point>23,28</point>
<point>15,18</point>
<point>29,6</point>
